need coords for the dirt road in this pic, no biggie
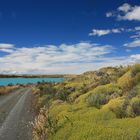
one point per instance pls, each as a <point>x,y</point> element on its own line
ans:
<point>15,115</point>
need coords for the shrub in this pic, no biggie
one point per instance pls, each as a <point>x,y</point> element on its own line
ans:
<point>125,108</point>
<point>135,103</point>
<point>105,79</point>
<point>10,84</point>
<point>119,107</point>
<point>63,94</point>
<point>135,70</point>
<point>84,89</point>
<point>97,100</point>
<point>129,111</point>
<point>47,89</point>
<point>102,94</point>
<point>126,82</point>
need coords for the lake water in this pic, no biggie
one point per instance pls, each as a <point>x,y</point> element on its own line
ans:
<point>14,81</point>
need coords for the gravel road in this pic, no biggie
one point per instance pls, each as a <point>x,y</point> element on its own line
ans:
<point>15,115</point>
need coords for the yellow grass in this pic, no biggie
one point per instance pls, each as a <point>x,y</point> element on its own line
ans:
<point>78,121</point>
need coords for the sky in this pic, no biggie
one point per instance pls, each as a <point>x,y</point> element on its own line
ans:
<point>68,36</point>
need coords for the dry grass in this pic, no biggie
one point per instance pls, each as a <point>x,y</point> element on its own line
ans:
<point>44,125</point>
<point>39,130</point>
<point>7,89</point>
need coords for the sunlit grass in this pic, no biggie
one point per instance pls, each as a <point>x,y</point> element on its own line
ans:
<point>116,119</point>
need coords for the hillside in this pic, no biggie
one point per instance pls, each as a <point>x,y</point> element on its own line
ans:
<point>98,105</point>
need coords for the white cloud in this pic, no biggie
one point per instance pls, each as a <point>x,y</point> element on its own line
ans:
<point>6,46</point>
<point>99,32</point>
<point>135,58</point>
<point>125,8</point>
<point>109,14</point>
<point>137,28</point>
<point>135,43</point>
<point>136,36</point>
<point>54,59</point>
<point>132,15</point>
<point>102,32</point>
<point>127,12</point>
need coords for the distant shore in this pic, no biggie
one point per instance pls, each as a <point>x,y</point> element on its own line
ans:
<point>38,76</point>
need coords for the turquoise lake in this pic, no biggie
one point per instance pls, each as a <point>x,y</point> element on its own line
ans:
<point>14,81</point>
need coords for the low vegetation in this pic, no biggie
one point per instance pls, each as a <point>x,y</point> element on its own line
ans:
<point>6,89</point>
<point>103,104</point>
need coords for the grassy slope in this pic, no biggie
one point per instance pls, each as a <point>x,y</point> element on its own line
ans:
<point>79,121</point>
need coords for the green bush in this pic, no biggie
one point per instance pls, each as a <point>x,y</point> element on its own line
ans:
<point>126,82</point>
<point>106,79</point>
<point>63,94</point>
<point>102,94</point>
<point>126,108</point>
<point>47,89</point>
<point>84,89</point>
<point>120,108</point>
<point>135,70</point>
<point>129,111</point>
<point>97,100</point>
<point>132,93</point>
<point>133,109</point>
<point>135,103</point>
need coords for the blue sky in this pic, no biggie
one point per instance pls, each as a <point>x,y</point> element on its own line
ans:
<point>51,36</point>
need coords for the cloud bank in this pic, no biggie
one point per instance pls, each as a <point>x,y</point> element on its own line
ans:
<point>52,59</point>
